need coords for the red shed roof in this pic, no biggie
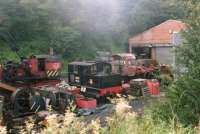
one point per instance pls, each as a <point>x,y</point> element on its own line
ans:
<point>161,34</point>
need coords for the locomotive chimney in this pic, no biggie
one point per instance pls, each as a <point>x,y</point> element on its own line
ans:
<point>51,52</point>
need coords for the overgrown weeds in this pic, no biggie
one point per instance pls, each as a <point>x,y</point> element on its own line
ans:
<point>122,121</point>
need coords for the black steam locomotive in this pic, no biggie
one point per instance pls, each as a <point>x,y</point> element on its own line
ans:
<point>95,78</point>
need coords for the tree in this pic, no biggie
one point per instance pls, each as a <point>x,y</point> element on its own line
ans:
<point>30,27</point>
<point>67,42</point>
<point>184,93</point>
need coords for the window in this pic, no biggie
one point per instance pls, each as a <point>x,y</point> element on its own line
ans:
<point>72,78</point>
<point>75,69</point>
<point>106,69</point>
<point>93,69</point>
<point>142,52</point>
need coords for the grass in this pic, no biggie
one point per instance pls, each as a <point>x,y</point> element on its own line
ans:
<point>122,121</point>
<point>130,124</point>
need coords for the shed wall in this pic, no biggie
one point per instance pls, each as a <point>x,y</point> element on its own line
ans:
<point>165,55</point>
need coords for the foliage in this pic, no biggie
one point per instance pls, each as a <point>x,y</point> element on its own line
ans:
<point>185,101</point>
<point>145,125</point>
<point>121,121</point>
<point>184,92</point>
<point>143,14</point>
<point>166,81</point>
<point>76,28</point>
<point>7,54</point>
<point>67,42</point>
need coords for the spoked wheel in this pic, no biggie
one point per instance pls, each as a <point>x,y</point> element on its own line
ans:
<point>63,100</point>
<point>20,100</point>
<point>37,103</point>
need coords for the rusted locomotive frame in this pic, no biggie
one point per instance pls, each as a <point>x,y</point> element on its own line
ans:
<point>7,87</point>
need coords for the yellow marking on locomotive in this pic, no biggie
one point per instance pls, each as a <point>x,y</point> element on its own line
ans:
<point>57,73</point>
<point>49,73</point>
<point>52,73</point>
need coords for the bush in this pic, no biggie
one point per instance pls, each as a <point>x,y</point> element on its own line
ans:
<point>6,54</point>
<point>128,123</point>
<point>184,97</point>
<point>122,121</point>
<point>165,80</point>
<point>181,103</point>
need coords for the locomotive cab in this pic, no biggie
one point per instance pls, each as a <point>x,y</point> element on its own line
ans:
<point>80,71</point>
<point>46,66</point>
<point>121,62</point>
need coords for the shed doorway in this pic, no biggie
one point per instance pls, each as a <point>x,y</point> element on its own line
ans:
<point>142,52</point>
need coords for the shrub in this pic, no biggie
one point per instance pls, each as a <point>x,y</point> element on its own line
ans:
<point>184,97</point>
<point>122,121</point>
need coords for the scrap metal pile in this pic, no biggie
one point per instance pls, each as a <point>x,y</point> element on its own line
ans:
<point>35,84</point>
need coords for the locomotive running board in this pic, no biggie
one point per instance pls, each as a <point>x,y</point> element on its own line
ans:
<point>7,87</point>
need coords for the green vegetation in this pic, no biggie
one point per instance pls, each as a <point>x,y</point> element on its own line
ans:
<point>183,94</point>
<point>76,29</point>
<point>145,125</point>
<point>121,121</point>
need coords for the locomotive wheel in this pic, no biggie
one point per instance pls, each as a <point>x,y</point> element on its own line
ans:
<point>37,103</point>
<point>20,100</point>
<point>136,86</point>
<point>63,101</point>
<point>52,98</point>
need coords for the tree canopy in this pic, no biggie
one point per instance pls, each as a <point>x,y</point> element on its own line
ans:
<point>185,92</point>
<point>77,28</point>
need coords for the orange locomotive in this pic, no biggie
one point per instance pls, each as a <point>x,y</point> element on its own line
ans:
<point>41,67</point>
<point>129,67</point>
<point>30,86</point>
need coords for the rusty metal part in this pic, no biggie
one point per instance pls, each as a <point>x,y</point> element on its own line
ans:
<point>7,87</point>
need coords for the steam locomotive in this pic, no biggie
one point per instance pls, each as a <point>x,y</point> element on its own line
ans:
<point>29,86</point>
<point>40,67</point>
<point>104,78</point>
<point>95,78</point>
